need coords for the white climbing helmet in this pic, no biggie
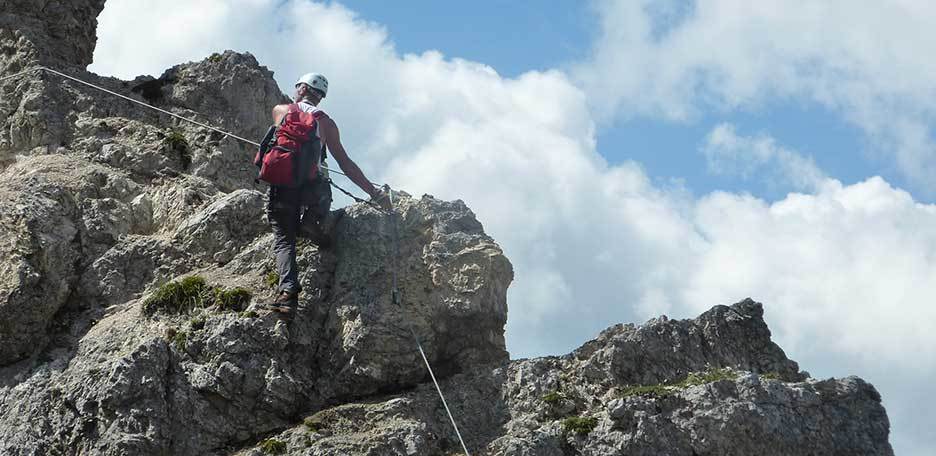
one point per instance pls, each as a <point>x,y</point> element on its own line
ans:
<point>315,81</point>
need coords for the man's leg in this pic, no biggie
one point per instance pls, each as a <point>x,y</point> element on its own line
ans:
<point>283,213</point>
<point>316,200</point>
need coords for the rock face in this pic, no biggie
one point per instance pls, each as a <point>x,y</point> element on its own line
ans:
<point>108,208</point>
<point>118,386</point>
<point>53,32</point>
<point>585,403</point>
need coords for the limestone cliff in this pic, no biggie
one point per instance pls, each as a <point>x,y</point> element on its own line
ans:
<point>105,206</point>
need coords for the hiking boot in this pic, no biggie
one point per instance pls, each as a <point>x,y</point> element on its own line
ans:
<point>285,303</point>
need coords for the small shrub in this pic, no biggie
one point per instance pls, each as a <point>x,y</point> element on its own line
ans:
<point>272,279</point>
<point>579,425</point>
<point>214,58</point>
<point>175,142</point>
<point>248,314</point>
<point>176,297</point>
<point>193,285</point>
<point>235,299</point>
<point>552,398</point>
<point>273,446</point>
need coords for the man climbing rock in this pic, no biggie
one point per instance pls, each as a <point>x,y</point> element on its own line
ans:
<point>301,207</point>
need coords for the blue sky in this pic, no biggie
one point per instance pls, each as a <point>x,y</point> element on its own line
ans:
<point>638,158</point>
<point>520,36</point>
<point>511,36</point>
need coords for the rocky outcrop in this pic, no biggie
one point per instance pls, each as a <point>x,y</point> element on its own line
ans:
<point>51,32</point>
<point>44,32</point>
<point>734,394</point>
<point>223,376</point>
<point>42,113</point>
<point>137,255</point>
<point>57,213</point>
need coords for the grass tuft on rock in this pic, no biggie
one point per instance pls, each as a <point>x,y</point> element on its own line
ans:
<point>248,314</point>
<point>190,293</point>
<point>175,141</point>
<point>693,379</point>
<point>179,339</point>
<point>709,376</point>
<point>197,323</point>
<point>770,376</point>
<point>579,425</point>
<point>552,398</point>
<point>234,299</point>
<point>273,446</point>
<point>272,279</point>
<point>647,390</point>
<point>177,296</point>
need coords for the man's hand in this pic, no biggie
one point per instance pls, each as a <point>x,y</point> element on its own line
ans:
<point>382,199</point>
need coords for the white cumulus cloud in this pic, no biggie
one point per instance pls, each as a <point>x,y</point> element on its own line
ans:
<point>729,153</point>
<point>865,61</point>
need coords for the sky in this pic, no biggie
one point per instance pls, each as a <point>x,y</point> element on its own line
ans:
<point>637,158</point>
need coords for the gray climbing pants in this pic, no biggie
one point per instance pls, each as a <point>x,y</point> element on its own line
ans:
<point>288,210</point>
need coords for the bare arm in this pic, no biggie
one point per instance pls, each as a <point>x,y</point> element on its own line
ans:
<point>330,134</point>
<point>278,112</point>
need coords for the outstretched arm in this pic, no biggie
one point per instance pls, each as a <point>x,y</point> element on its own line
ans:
<point>330,134</point>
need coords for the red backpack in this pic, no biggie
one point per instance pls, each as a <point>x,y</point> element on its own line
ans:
<point>295,152</point>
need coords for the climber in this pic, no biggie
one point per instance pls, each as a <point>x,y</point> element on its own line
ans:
<point>302,209</point>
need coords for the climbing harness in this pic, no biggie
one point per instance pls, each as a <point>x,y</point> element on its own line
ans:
<point>395,292</point>
<point>395,297</point>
